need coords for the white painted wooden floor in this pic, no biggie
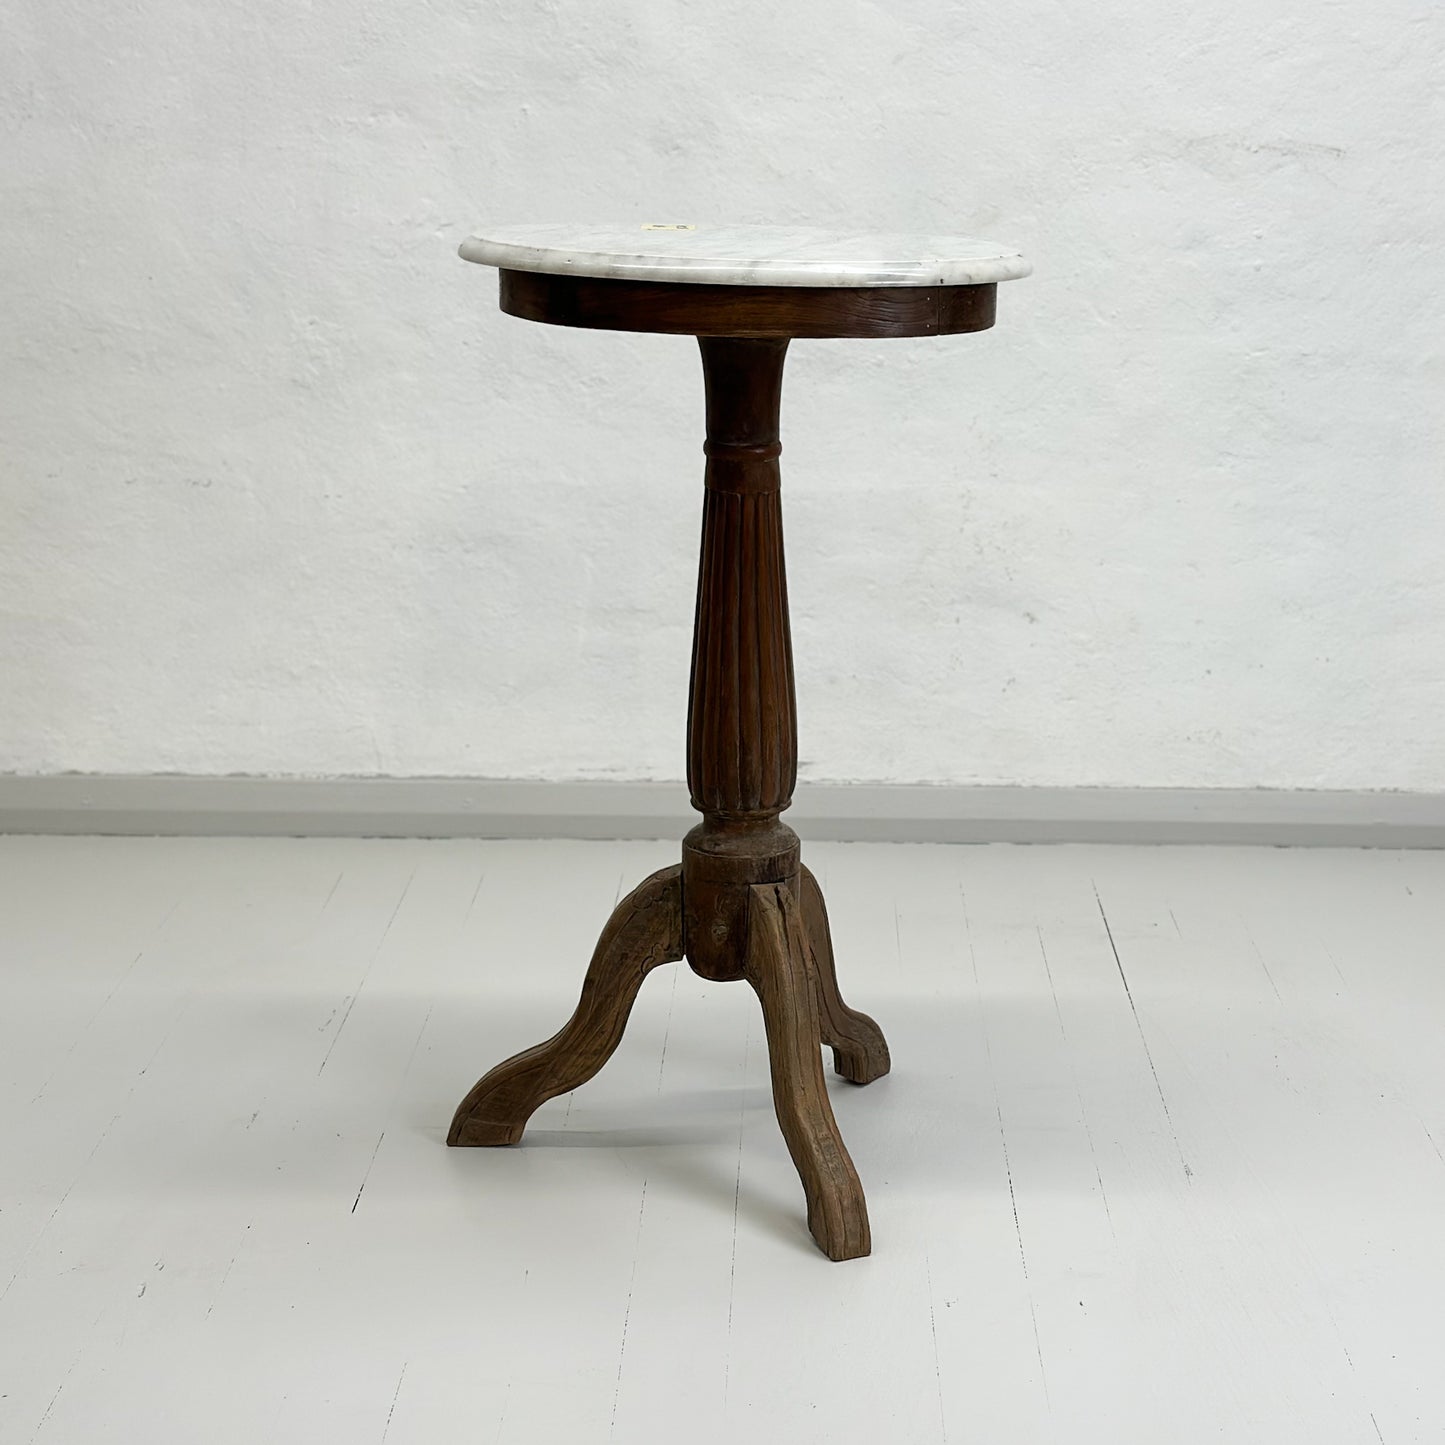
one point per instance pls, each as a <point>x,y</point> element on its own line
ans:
<point>1160,1159</point>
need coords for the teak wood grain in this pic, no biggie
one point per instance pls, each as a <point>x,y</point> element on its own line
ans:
<point>780,969</point>
<point>785,312</point>
<point>740,905</point>
<point>645,930</point>
<point>860,1052</point>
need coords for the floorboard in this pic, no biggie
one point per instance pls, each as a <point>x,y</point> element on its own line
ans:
<point>1162,1156</point>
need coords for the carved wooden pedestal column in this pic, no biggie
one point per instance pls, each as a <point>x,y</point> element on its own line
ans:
<point>742,880</point>
<point>740,906</point>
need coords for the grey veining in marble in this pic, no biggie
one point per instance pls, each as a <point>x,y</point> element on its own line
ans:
<point>746,255</point>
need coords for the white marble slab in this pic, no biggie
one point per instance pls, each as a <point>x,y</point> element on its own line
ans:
<point>746,255</point>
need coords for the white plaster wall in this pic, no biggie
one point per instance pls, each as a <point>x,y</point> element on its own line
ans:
<point>284,493</point>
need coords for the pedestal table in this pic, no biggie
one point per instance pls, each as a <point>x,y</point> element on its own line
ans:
<point>740,905</point>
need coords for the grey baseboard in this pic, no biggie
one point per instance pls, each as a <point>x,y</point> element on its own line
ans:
<point>863,812</point>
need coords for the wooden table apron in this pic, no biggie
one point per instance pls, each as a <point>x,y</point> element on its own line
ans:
<point>740,905</point>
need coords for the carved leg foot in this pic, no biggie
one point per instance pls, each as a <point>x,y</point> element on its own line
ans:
<point>860,1052</point>
<point>780,969</point>
<point>644,931</point>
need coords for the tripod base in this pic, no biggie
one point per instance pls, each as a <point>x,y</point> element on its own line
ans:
<point>788,960</point>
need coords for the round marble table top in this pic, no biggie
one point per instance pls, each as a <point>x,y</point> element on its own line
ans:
<point>746,255</point>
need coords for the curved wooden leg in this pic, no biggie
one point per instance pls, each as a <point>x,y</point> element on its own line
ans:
<point>780,969</point>
<point>860,1052</point>
<point>645,930</point>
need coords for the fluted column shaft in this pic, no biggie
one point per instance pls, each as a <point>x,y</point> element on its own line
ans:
<point>742,726</point>
<point>742,732</point>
